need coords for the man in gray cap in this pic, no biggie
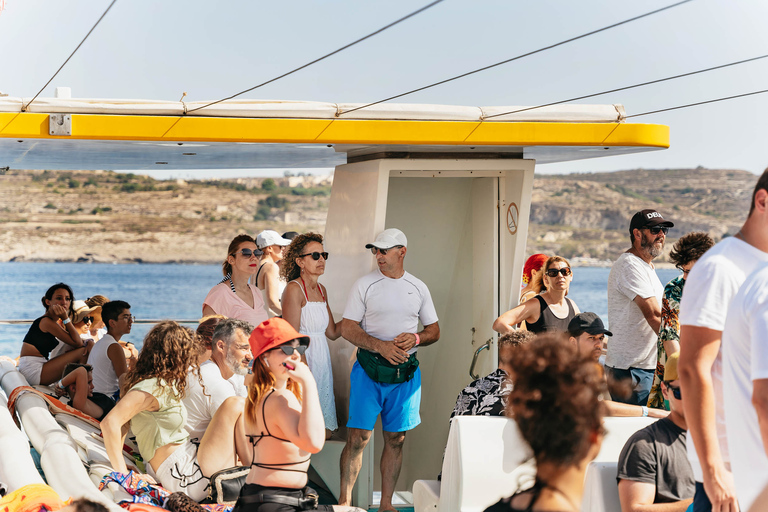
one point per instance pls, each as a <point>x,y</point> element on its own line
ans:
<point>634,308</point>
<point>382,319</point>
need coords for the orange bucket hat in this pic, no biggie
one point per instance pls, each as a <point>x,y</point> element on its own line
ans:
<point>273,333</point>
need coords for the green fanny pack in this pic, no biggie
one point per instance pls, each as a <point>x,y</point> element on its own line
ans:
<point>381,370</point>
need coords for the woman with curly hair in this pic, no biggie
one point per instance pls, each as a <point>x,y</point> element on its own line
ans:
<point>284,423</point>
<point>44,335</point>
<point>306,308</point>
<point>233,297</point>
<point>684,254</point>
<point>153,406</point>
<point>556,404</point>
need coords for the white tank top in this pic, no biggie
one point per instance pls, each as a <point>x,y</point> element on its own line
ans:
<point>104,376</point>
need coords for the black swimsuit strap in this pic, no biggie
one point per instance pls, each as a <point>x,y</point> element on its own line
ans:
<point>256,438</point>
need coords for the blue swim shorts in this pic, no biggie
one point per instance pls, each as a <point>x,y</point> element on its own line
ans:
<point>398,404</point>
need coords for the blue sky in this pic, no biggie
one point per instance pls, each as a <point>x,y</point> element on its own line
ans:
<point>157,50</point>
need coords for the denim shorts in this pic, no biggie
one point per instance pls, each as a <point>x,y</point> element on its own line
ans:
<point>398,404</point>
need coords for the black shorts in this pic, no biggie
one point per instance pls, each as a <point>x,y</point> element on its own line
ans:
<point>251,489</point>
<point>103,401</point>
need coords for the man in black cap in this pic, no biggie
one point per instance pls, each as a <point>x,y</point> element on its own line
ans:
<point>634,308</point>
<point>587,332</point>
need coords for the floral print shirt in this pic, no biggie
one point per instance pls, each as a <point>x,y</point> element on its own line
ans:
<point>669,330</point>
<point>487,396</point>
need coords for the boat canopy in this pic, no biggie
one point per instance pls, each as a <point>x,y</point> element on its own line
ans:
<point>75,133</point>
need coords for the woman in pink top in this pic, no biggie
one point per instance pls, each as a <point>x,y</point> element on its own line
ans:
<point>233,297</point>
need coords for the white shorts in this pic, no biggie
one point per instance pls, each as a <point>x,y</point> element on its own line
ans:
<point>31,367</point>
<point>181,473</point>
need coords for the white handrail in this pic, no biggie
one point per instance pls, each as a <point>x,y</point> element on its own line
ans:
<point>17,468</point>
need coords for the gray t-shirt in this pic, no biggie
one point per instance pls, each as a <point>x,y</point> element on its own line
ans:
<point>656,455</point>
<point>633,344</point>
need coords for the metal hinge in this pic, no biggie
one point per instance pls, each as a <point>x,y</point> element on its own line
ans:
<point>59,124</point>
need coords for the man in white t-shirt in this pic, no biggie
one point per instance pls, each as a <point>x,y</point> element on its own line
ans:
<point>709,289</point>
<point>107,356</point>
<point>745,386</point>
<point>634,310</point>
<point>230,357</point>
<point>382,318</point>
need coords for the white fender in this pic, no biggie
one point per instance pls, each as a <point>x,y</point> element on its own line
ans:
<point>17,468</point>
<point>58,453</point>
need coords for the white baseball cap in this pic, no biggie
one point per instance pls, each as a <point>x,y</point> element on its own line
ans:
<point>389,238</point>
<point>269,237</point>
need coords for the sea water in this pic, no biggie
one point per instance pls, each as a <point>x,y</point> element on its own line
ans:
<point>177,291</point>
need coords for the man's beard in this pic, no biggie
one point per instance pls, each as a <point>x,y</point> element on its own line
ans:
<point>236,365</point>
<point>649,245</point>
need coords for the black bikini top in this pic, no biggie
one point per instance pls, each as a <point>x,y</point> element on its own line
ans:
<point>255,439</point>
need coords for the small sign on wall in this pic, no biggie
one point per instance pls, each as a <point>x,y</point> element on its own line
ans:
<point>513,215</point>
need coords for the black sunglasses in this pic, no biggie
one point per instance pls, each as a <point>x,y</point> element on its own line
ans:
<point>658,229</point>
<point>315,256</point>
<point>383,251</point>
<point>88,319</point>
<point>675,391</point>
<point>247,253</point>
<point>565,272</point>
<point>288,349</point>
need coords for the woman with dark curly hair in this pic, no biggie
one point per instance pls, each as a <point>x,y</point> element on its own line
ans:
<point>556,404</point>
<point>684,254</point>
<point>153,406</point>
<point>305,307</point>
<point>233,297</point>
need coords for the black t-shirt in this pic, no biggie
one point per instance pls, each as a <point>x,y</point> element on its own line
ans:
<point>102,401</point>
<point>657,455</point>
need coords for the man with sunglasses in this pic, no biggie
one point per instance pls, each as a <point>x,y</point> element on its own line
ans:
<point>107,356</point>
<point>654,472</point>
<point>634,310</point>
<point>382,318</point>
<point>711,286</point>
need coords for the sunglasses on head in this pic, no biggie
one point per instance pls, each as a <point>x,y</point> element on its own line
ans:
<point>383,251</point>
<point>675,391</point>
<point>288,349</point>
<point>247,253</point>
<point>315,256</point>
<point>658,229</point>
<point>565,272</point>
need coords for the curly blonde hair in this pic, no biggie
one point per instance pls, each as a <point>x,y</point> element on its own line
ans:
<point>291,270</point>
<point>168,352</point>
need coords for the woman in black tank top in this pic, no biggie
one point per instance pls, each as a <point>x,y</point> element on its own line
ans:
<point>551,310</point>
<point>44,335</point>
<point>284,422</point>
<point>556,404</point>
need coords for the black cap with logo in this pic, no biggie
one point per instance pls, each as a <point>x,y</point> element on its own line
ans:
<point>648,219</point>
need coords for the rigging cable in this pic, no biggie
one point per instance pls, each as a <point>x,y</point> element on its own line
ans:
<point>629,86</point>
<point>517,57</point>
<point>25,107</point>
<point>382,29</point>
<point>725,98</point>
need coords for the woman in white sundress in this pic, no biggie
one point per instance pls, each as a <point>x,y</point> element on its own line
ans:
<point>305,307</point>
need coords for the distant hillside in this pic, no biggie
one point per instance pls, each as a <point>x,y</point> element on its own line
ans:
<point>108,216</point>
<point>587,215</point>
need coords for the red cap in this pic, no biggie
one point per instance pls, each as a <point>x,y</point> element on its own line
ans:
<point>273,333</point>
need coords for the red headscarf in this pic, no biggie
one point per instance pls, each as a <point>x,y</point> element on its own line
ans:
<point>533,264</point>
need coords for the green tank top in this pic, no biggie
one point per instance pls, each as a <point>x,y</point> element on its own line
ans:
<point>161,427</point>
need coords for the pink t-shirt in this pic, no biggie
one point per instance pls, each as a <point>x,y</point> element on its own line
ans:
<point>225,302</point>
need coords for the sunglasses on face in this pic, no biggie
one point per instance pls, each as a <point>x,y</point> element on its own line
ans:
<point>315,255</point>
<point>88,319</point>
<point>383,252</point>
<point>247,253</point>
<point>675,391</point>
<point>288,349</point>
<point>565,272</point>
<point>658,229</point>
